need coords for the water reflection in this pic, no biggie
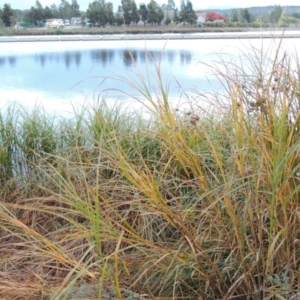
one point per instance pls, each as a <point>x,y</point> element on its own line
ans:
<point>67,57</point>
<point>103,56</point>
<point>129,57</point>
<point>12,60</point>
<point>2,61</point>
<point>41,59</point>
<point>171,56</point>
<point>185,57</point>
<point>77,57</point>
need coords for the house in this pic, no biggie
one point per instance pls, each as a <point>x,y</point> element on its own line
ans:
<point>54,23</point>
<point>76,21</point>
<point>214,17</point>
<point>200,17</point>
<point>203,17</point>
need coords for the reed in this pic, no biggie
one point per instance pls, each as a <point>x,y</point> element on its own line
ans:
<point>198,204</point>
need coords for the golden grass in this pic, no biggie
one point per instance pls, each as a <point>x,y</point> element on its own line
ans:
<point>186,205</point>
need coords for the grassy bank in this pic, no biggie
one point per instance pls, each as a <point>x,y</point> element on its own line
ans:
<point>188,204</point>
<point>119,30</point>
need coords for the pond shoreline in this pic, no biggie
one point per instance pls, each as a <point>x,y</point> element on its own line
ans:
<point>165,36</point>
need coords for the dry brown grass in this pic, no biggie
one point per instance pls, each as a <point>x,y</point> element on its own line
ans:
<point>132,29</point>
<point>187,205</point>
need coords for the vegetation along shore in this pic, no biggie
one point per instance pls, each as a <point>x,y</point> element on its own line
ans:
<point>194,203</point>
<point>101,17</point>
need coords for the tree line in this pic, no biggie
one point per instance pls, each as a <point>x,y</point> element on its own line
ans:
<point>100,12</point>
<point>244,16</point>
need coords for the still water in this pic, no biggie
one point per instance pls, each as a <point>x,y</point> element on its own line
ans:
<point>59,75</point>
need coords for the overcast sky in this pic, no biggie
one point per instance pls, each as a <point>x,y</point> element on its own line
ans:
<point>198,4</point>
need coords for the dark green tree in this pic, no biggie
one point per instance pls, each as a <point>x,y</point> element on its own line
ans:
<point>246,15</point>
<point>68,10</point>
<point>135,17</point>
<point>96,13</point>
<point>18,14</point>
<point>152,9</point>
<point>190,13</point>
<point>36,14</point>
<point>143,11</point>
<point>75,8</point>
<point>126,7</point>
<point>109,10</point>
<point>235,16</point>
<point>48,13</point>
<point>65,10</point>
<point>119,19</point>
<point>30,16</point>
<point>183,13</point>
<point>39,11</point>
<point>54,11</point>
<point>160,15</point>
<point>7,15</point>
<point>176,16</point>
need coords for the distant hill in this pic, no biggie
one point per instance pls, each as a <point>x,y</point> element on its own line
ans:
<point>257,10</point>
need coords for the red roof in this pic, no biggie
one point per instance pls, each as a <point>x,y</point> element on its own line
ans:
<point>212,16</point>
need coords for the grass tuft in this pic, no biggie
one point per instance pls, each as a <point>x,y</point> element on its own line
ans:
<point>201,204</point>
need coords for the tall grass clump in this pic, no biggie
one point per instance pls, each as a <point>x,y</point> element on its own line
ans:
<point>192,204</point>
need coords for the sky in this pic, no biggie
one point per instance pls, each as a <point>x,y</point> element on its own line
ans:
<point>198,4</point>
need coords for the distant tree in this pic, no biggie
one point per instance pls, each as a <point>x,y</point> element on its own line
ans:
<point>234,16</point>
<point>48,13</point>
<point>54,10</point>
<point>135,17</point>
<point>38,5</point>
<point>143,11</point>
<point>152,16</point>
<point>36,14</point>
<point>65,10</point>
<point>190,13</point>
<point>39,11</point>
<point>246,15</point>
<point>6,15</point>
<point>96,13</point>
<point>168,20</point>
<point>296,15</point>
<point>183,13</point>
<point>265,18</point>
<point>109,10</point>
<point>119,19</point>
<point>75,8</point>
<point>30,16</point>
<point>126,8</point>
<point>159,15</point>
<point>171,4</point>
<point>18,14</point>
<point>176,17</point>
<point>68,10</point>
<point>276,14</point>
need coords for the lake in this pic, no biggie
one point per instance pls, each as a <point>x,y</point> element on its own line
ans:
<point>59,75</point>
